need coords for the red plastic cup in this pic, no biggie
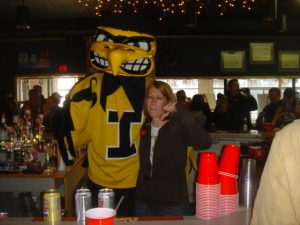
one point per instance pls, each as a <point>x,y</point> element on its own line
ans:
<point>268,127</point>
<point>207,201</point>
<point>208,168</point>
<point>228,185</point>
<point>100,216</point>
<point>230,159</point>
<point>229,204</point>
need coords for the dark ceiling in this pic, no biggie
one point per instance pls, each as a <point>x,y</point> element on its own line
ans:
<point>56,17</point>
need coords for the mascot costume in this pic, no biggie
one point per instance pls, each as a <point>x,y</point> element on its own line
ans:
<point>104,110</point>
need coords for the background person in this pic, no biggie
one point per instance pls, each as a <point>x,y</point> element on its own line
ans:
<point>286,112</point>
<point>252,105</point>
<point>162,183</point>
<point>268,112</point>
<point>51,109</point>
<point>41,99</point>
<point>57,97</point>
<point>182,99</point>
<point>221,117</point>
<point>32,104</point>
<point>237,105</point>
<point>198,109</point>
<point>8,105</point>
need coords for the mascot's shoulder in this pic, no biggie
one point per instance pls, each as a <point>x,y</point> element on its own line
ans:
<point>88,81</point>
<point>88,77</point>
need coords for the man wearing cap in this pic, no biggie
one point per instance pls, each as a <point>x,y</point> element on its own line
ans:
<point>56,97</point>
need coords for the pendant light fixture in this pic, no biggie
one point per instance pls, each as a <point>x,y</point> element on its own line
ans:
<point>23,17</point>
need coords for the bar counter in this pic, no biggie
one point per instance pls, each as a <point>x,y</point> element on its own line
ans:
<point>240,218</point>
<point>221,138</point>
<point>66,181</point>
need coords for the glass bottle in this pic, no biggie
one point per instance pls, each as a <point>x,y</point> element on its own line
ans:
<point>8,162</point>
<point>27,125</point>
<point>4,137</point>
<point>18,153</point>
<point>15,129</point>
<point>54,154</point>
<point>39,132</point>
<point>245,125</point>
<point>48,167</point>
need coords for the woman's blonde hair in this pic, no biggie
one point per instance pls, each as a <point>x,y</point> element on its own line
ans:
<point>164,88</point>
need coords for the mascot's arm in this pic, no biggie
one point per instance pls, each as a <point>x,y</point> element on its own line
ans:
<point>72,127</point>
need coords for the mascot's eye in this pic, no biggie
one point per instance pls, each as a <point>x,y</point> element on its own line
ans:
<point>140,44</point>
<point>100,37</point>
<point>103,37</point>
<point>108,39</point>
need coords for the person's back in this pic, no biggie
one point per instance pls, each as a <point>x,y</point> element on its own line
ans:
<point>198,108</point>
<point>278,196</point>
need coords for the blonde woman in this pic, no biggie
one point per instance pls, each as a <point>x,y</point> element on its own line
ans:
<point>161,187</point>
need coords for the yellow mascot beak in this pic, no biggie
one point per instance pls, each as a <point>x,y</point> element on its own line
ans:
<point>116,58</point>
<point>123,53</point>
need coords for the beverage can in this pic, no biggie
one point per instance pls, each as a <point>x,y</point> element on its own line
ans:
<point>83,202</point>
<point>106,198</point>
<point>51,207</point>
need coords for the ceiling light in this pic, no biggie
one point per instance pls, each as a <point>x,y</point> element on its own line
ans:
<point>166,7</point>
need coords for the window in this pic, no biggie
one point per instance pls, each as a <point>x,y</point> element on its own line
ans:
<point>259,89</point>
<point>210,87</point>
<point>50,84</point>
<point>189,86</point>
<point>63,85</point>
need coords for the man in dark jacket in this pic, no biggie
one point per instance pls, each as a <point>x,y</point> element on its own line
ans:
<point>237,105</point>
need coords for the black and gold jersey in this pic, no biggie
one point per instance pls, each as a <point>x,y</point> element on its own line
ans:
<point>111,130</point>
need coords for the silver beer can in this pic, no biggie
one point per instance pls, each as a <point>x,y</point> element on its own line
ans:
<point>106,198</point>
<point>83,202</point>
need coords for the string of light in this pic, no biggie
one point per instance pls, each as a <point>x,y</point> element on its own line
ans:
<point>226,4</point>
<point>166,7</point>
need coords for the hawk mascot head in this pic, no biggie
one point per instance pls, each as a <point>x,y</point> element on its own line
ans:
<point>124,46</point>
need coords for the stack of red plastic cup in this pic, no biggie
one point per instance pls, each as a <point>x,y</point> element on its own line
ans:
<point>207,187</point>
<point>228,171</point>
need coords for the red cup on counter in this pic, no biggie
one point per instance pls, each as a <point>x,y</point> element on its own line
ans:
<point>208,168</point>
<point>207,201</point>
<point>268,127</point>
<point>228,185</point>
<point>100,216</point>
<point>230,159</point>
<point>229,204</point>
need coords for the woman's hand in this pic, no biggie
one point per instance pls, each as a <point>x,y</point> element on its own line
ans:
<point>168,108</point>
